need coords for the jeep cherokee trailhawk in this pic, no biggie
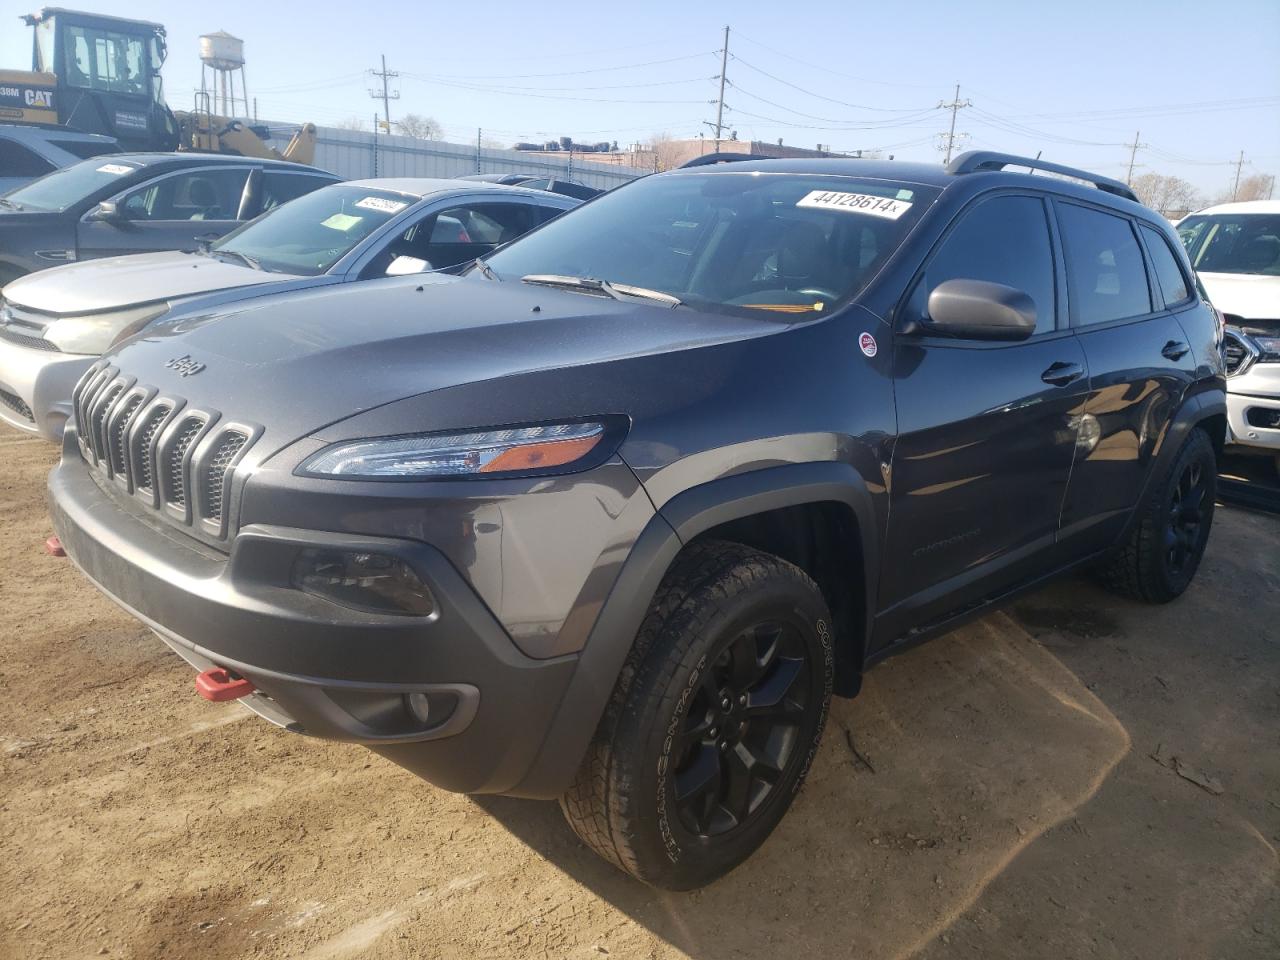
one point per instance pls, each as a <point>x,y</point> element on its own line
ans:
<point>612,516</point>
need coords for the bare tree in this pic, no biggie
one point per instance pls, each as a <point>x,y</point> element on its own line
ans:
<point>1257,186</point>
<point>350,123</point>
<point>489,143</point>
<point>423,128</point>
<point>1168,195</point>
<point>666,151</point>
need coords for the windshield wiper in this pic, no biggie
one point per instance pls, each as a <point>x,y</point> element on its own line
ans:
<point>486,271</point>
<point>618,291</point>
<point>244,258</point>
<point>10,204</point>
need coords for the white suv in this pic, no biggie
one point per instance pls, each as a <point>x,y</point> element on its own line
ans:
<point>1235,248</point>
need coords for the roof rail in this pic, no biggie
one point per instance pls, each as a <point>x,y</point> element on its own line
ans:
<point>976,160</point>
<point>723,157</point>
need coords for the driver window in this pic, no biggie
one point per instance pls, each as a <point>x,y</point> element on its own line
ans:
<point>1003,240</point>
<point>195,195</point>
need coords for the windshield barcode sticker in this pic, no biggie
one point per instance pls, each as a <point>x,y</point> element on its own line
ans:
<point>885,207</point>
<point>115,168</point>
<point>381,204</point>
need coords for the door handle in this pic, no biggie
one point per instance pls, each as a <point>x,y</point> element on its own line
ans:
<point>1060,374</point>
<point>1175,350</point>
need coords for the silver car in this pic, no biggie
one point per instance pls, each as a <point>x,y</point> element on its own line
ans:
<point>55,323</point>
<point>28,152</point>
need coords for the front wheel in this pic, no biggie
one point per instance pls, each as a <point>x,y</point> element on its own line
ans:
<point>714,720</point>
<point>1163,552</point>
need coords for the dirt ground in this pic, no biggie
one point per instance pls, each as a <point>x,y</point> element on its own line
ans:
<point>1078,776</point>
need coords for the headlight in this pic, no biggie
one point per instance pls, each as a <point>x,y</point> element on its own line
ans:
<point>426,456</point>
<point>98,332</point>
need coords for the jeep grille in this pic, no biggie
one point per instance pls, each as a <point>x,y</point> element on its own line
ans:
<point>174,458</point>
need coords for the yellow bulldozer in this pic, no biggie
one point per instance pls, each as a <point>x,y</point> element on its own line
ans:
<point>101,74</point>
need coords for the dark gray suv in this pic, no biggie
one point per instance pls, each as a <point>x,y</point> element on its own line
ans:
<point>611,517</point>
<point>140,203</point>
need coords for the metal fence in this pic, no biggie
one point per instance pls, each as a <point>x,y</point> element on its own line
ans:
<point>356,154</point>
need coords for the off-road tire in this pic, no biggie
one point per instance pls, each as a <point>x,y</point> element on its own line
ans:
<point>622,803</point>
<point>1141,568</point>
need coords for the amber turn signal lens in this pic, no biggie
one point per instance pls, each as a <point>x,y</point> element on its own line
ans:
<point>538,456</point>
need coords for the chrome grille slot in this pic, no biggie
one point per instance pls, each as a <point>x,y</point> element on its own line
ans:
<point>97,414</point>
<point>175,474</point>
<point>84,409</point>
<point>142,445</point>
<point>215,472</point>
<point>117,433</point>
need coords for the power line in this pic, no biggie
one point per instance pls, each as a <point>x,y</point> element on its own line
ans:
<point>819,96</point>
<point>561,73</point>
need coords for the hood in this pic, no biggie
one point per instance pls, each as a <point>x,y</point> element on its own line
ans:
<point>114,283</point>
<point>299,362</point>
<point>1245,295</point>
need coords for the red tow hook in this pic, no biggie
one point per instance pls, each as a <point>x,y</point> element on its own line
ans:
<point>53,546</point>
<point>220,685</point>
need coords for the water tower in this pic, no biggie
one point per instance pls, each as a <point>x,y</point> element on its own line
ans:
<point>222,54</point>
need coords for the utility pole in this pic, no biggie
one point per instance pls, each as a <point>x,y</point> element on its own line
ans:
<point>386,96</point>
<point>724,63</point>
<point>1133,153</point>
<point>375,143</point>
<point>953,106</point>
<point>1235,189</point>
<point>479,139</point>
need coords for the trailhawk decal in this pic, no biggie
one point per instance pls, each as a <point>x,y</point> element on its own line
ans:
<point>868,344</point>
<point>884,207</point>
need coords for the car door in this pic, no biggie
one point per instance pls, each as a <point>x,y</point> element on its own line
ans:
<point>1140,366</point>
<point>173,211</point>
<point>986,430</point>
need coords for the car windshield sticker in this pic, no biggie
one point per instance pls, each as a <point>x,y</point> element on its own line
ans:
<point>116,169</point>
<point>341,221</point>
<point>885,207</point>
<point>382,205</point>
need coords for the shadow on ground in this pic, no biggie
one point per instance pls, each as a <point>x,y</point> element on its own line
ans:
<point>974,745</point>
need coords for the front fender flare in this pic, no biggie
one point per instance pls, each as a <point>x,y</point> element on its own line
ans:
<point>681,519</point>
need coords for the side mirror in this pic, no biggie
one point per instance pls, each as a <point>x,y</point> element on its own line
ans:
<point>108,211</point>
<point>403,266</point>
<point>978,310</point>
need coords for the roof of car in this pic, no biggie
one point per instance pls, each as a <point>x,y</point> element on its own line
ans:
<point>922,173</point>
<point>48,132</point>
<point>975,175</point>
<point>207,159</point>
<point>427,186</point>
<point>1242,206</point>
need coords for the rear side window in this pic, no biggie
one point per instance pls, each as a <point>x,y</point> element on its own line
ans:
<point>1173,283</point>
<point>17,161</point>
<point>1003,240</point>
<point>279,187</point>
<point>1105,270</point>
<point>84,149</point>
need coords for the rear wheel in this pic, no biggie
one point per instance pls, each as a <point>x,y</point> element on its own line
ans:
<point>1163,552</point>
<point>713,722</point>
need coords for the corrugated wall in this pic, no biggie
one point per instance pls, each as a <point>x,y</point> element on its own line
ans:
<point>355,154</point>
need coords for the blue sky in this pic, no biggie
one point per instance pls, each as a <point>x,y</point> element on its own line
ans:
<point>1076,80</point>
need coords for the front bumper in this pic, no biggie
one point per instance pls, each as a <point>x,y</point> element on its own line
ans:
<point>35,388</point>
<point>1253,407</point>
<point>320,668</point>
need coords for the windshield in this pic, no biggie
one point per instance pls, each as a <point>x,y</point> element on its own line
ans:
<point>309,235</point>
<point>66,187</point>
<point>1233,243</point>
<point>744,243</point>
